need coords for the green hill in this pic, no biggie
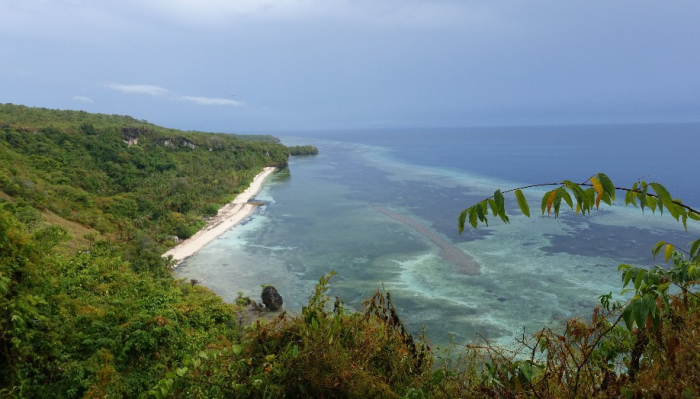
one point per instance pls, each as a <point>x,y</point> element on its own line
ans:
<point>121,178</point>
<point>88,203</point>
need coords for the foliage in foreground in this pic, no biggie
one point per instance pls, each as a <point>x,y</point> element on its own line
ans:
<point>329,352</point>
<point>646,347</point>
<point>88,325</point>
<point>320,353</point>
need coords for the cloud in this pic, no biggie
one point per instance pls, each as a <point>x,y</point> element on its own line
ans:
<point>83,99</point>
<point>151,90</point>
<point>212,101</point>
<point>157,91</point>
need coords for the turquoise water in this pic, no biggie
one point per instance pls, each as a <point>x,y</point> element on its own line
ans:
<point>322,214</point>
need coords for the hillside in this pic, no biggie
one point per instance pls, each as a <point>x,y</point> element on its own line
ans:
<point>116,177</point>
<point>88,202</point>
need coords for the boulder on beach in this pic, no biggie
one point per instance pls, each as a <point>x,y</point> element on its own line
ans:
<point>271,298</point>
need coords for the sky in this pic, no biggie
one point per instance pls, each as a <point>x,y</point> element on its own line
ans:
<point>264,65</point>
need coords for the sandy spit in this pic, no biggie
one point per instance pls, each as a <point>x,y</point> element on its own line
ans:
<point>229,215</point>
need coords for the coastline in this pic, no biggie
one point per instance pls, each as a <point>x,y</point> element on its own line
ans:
<point>228,216</point>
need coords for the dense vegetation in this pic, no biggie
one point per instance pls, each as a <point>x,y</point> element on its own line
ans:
<point>88,203</point>
<point>130,181</point>
<point>647,346</point>
<point>303,150</point>
<point>88,308</point>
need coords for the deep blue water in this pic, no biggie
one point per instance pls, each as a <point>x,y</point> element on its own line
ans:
<point>324,213</point>
<point>669,153</point>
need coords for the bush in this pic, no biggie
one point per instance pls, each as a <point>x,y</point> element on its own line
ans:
<point>322,352</point>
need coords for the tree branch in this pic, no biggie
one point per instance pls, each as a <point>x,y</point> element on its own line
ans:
<point>561,184</point>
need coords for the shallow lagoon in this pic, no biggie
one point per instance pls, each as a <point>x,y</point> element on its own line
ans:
<point>321,215</point>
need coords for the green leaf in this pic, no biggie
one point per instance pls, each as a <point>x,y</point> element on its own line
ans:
<point>683,215</point>
<point>481,212</point>
<point>589,200</point>
<point>641,311</point>
<point>494,207</point>
<point>623,266</point>
<point>694,216</point>
<point>530,371</point>
<point>668,252</point>
<point>557,200</point>
<point>608,186</point>
<point>498,198</point>
<point>665,199</point>
<point>661,192</point>
<point>500,202</point>
<point>628,316</point>
<point>695,245</point>
<point>437,377</point>
<point>462,220</point>
<point>627,275</point>
<point>627,198</point>
<point>649,302</point>
<point>567,198</point>
<point>673,209</point>
<point>545,199</point>
<point>579,195</point>
<point>485,208</point>
<point>657,248</point>
<point>651,204</point>
<point>643,195</point>
<point>522,203</point>
<point>631,196</point>
<point>473,217</point>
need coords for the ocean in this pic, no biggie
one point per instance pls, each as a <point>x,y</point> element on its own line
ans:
<point>380,209</point>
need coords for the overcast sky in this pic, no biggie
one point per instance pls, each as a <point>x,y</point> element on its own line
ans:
<point>255,65</point>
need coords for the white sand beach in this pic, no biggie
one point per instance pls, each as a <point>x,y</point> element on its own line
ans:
<point>228,216</point>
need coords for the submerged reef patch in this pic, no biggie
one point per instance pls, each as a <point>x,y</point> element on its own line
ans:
<point>452,254</point>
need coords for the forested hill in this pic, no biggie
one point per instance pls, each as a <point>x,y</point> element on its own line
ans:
<point>122,177</point>
<point>88,203</point>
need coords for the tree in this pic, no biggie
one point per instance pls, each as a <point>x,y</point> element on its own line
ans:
<point>659,327</point>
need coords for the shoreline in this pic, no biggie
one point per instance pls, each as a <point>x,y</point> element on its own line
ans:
<point>228,216</point>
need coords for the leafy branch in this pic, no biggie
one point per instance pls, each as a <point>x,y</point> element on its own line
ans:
<point>645,331</point>
<point>584,197</point>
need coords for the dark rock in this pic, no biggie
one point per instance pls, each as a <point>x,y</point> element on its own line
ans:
<point>502,299</point>
<point>271,298</point>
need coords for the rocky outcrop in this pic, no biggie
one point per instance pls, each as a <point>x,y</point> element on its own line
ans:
<point>271,298</point>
